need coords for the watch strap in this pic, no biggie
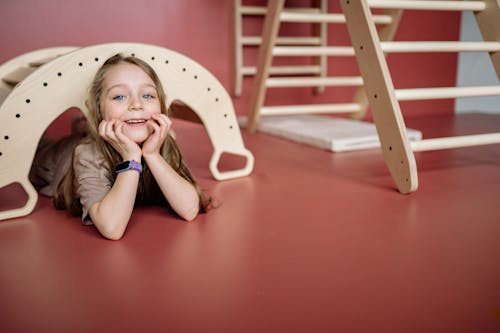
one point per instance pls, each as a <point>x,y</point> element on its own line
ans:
<point>128,165</point>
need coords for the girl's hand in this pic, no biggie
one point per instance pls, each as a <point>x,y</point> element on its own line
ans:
<point>112,132</point>
<point>160,125</point>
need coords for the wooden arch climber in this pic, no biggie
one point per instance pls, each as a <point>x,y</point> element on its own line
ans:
<point>61,83</point>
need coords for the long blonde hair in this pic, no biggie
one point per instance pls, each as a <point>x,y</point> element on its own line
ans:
<point>65,196</point>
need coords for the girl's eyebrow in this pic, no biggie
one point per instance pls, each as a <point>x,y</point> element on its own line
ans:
<point>123,85</point>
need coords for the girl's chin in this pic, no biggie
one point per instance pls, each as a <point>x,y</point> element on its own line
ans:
<point>137,136</point>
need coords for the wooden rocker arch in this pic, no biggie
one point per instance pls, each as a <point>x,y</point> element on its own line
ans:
<point>62,83</point>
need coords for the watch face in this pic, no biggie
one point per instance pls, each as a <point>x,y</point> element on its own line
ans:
<point>122,166</point>
<point>128,165</point>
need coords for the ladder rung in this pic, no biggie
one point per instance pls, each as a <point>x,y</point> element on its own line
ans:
<point>314,81</point>
<point>18,75</point>
<point>253,10</point>
<point>284,70</point>
<point>262,10</point>
<point>395,47</point>
<point>447,92</point>
<point>312,108</point>
<point>455,142</point>
<point>326,18</point>
<point>313,51</point>
<point>428,5</point>
<point>390,47</point>
<point>256,40</point>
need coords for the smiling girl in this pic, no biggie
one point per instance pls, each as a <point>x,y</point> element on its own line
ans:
<point>129,157</point>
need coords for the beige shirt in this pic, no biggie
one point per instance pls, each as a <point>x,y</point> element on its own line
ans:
<point>92,177</point>
<point>93,180</point>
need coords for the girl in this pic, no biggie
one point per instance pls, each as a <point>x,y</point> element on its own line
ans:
<point>129,156</point>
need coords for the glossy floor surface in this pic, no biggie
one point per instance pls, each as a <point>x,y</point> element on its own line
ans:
<point>312,241</point>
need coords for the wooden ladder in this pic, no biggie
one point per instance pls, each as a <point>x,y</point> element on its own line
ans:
<point>243,41</point>
<point>388,20</point>
<point>383,98</point>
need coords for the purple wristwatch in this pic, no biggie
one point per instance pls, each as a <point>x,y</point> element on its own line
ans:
<point>128,165</point>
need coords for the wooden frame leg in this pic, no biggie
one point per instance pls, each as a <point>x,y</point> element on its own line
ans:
<point>488,21</point>
<point>385,33</point>
<point>380,91</point>
<point>265,58</point>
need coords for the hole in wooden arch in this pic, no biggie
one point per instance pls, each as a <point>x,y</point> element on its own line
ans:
<point>71,121</point>
<point>180,110</point>
<point>13,197</point>
<point>230,162</point>
<point>191,137</point>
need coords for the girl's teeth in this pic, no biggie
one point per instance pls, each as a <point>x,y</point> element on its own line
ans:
<point>135,121</point>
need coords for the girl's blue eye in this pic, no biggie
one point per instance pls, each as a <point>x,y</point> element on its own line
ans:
<point>148,96</point>
<point>119,97</point>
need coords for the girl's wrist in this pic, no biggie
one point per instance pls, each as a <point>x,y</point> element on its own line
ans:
<point>151,156</point>
<point>135,157</point>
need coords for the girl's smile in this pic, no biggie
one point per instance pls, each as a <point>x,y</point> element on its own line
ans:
<point>136,121</point>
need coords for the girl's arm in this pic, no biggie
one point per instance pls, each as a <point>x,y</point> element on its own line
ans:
<point>180,194</point>
<point>112,214</point>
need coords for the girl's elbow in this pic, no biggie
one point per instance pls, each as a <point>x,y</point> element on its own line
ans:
<point>111,232</point>
<point>113,236</point>
<point>191,215</point>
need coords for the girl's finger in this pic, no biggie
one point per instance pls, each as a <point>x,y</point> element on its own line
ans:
<point>119,132</point>
<point>154,126</point>
<point>110,130</point>
<point>164,122</point>
<point>102,128</point>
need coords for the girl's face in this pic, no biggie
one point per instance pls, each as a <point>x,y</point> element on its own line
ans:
<point>129,95</point>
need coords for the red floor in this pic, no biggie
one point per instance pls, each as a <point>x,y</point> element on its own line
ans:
<point>312,241</point>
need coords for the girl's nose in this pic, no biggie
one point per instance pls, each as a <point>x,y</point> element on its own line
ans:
<point>135,104</point>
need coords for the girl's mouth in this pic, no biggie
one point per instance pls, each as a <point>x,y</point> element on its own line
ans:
<point>135,121</point>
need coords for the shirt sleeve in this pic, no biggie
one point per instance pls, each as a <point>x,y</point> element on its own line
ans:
<point>92,178</point>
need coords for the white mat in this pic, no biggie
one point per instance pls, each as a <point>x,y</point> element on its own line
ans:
<point>335,134</point>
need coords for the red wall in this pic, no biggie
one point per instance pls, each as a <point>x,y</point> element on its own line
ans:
<point>203,30</point>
